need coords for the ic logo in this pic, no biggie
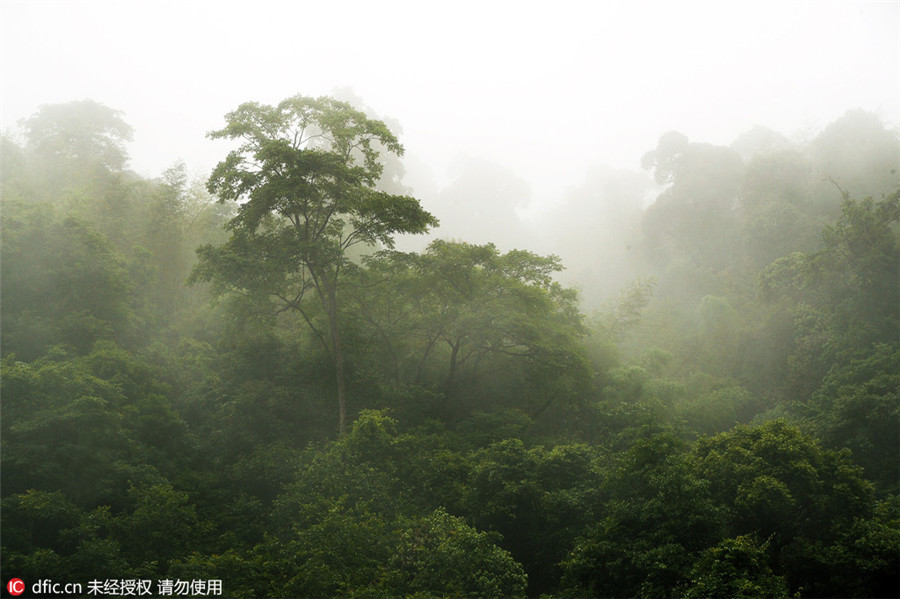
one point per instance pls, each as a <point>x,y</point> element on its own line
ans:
<point>15,586</point>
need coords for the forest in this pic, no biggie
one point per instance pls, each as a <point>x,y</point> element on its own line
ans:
<point>239,376</point>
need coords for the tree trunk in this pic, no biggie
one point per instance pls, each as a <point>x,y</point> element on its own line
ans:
<point>337,353</point>
<point>341,386</point>
<point>451,372</point>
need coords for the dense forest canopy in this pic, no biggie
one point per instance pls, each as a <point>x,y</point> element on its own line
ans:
<point>240,378</point>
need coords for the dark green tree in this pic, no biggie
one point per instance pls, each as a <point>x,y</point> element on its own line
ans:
<point>658,514</point>
<point>826,533</point>
<point>359,518</point>
<point>307,172</point>
<point>858,407</point>
<point>539,499</point>
<point>736,568</point>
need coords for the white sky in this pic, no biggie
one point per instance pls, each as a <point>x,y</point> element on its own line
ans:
<point>547,89</point>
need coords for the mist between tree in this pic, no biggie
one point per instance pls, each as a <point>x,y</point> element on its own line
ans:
<point>313,373</point>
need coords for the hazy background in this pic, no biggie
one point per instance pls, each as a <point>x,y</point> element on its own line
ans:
<point>511,104</point>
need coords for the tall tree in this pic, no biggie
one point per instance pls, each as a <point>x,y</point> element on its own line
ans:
<point>306,172</point>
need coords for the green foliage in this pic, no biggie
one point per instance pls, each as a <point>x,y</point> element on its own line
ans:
<point>162,525</point>
<point>241,578</point>
<point>858,407</point>
<point>780,484</point>
<point>773,476</point>
<point>441,556</point>
<point>539,499</point>
<point>854,275</point>
<point>62,282</point>
<point>344,525</point>
<point>658,513</point>
<point>71,425</point>
<point>735,567</point>
<point>632,404</point>
<point>714,406</point>
<point>842,298</point>
<point>359,469</point>
<point>63,429</point>
<point>339,552</point>
<point>46,535</point>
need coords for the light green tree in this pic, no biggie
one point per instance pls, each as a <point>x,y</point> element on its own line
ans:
<point>442,556</point>
<point>459,316</point>
<point>84,133</point>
